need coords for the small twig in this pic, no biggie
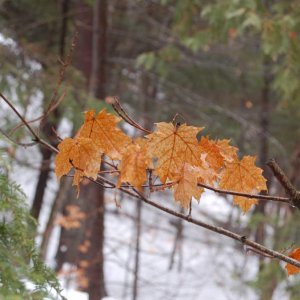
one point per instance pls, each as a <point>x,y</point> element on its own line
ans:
<point>20,116</point>
<point>50,109</point>
<point>176,117</point>
<point>123,114</point>
<point>36,138</point>
<point>56,134</point>
<point>190,210</point>
<point>249,249</point>
<point>286,183</point>
<point>15,142</point>
<point>246,195</point>
<point>150,181</point>
<point>108,171</point>
<point>55,100</point>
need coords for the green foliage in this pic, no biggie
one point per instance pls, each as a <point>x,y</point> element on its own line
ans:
<point>22,273</point>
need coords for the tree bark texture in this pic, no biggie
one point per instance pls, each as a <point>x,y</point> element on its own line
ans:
<point>90,53</point>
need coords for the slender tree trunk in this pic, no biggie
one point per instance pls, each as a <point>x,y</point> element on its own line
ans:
<point>98,74</point>
<point>263,142</point>
<point>65,185</point>
<point>47,128</point>
<point>294,174</point>
<point>43,176</point>
<point>177,242</point>
<point>95,271</point>
<point>148,90</point>
<point>137,250</point>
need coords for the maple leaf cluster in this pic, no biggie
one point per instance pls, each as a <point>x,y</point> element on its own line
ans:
<point>173,152</point>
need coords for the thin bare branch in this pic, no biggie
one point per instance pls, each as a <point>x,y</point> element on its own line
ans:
<point>253,196</point>
<point>114,101</point>
<point>240,238</point>
<point>286,183</point>
<point>15,142</point>
<point>36,138</point>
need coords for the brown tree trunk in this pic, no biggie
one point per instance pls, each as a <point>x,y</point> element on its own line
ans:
<point>93,195</point>
<point>98,73</point>
<point>95,271</point>
<point>90,56</point>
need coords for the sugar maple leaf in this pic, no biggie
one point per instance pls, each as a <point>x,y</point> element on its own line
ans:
<point>80,154</point>
<point>227,151</point>
<point>134,163</point>
<point>187,186</point>
<point>212,153</point>
<point>103,131</point>
<point>243,176</point>
<point>290,268</point>
<point>174,146</point>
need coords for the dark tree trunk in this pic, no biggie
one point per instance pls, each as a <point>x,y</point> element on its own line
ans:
<point>83,49</point>
<point>98,73</point>
<point>47,128</point>
<point>264,147</point>
<point>65,185</point>
<point>95,271</point>
<point>43,176</point>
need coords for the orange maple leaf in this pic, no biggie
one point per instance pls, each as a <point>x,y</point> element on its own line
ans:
<point>243,176</point>
<point>290,268</point>
<point>227,151</point>
<point>134,163</point>
<point>174,146</point>
<point>103,131</point>
<point>187,186</point>
<point>212,153</point>
<point>80,154</point>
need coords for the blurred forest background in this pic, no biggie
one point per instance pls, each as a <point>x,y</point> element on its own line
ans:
<point>232,66</point>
